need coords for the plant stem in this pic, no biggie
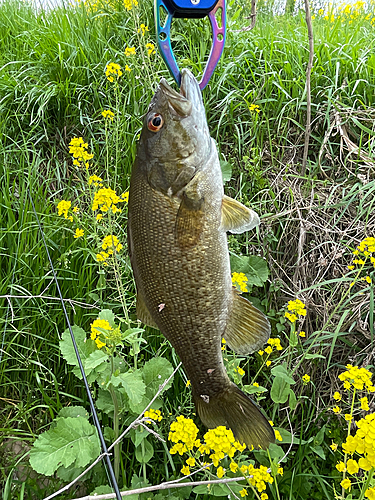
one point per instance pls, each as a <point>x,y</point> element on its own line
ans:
<point>115,425</point>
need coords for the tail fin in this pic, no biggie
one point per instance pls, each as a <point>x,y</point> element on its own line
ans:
<point>233,409</point>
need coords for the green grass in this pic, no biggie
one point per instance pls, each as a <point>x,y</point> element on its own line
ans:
<point>53,88</point>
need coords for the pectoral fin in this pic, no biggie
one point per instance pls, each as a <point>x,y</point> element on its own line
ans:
<point>247,329</point>
<point>237,218</point>
<point>143,313</point>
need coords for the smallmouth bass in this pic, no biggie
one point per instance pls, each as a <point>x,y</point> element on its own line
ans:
<point>178,219</point>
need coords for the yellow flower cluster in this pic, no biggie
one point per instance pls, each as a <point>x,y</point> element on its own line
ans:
<point>295,308</point>
<point>95,180</point>
<point>95,333</point>
<point>107,113</point>
<point>363,442</point>
<point>184,433</point>
<point>79,233</point>
<point>259,477</point>
<point>365,251</point>
<point>130,51</point>
<point>128,4</point>
<point>63,208</point>
<point>357,377</point>
<point>106,199</point>
<point>273,343</point>
<point>77,147</point>
<point>222,442</point>
<point>113,70</point>
<point>254,107</point>
<point>143,29</point>
<point>240,280</point>
<point>110,243</point>
<point>150,49</point>
<point>154,414</point>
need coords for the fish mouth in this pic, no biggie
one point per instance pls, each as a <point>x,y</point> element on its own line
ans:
<point>182,102</point>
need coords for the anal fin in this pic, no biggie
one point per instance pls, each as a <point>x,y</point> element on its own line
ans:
<point>143,313</point>
<point>237,218</point>
<point>247,329</point>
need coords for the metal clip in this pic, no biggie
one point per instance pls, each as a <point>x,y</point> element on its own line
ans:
<point>192,9</point>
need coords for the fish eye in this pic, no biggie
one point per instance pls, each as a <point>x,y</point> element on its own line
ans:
<point>155,122</point>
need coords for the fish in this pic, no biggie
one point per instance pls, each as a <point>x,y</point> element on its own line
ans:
<point>178,218</point>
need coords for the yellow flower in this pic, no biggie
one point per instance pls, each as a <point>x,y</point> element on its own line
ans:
<point>295,308</point>
<point>346,484</point>
<point>190,461</point>
<point>108,114</point>
<point>220,472</point>
<point>333,446</point>
<point>99,217</point>
<point>63,208</point>
<point>263,496</point>
<point>111,242</point>
<point>77,147</point>
<point>337,396</point>
<point>128,4</point>
<point>185,470</point>
<point>278,435</point>
<point>243,492</point>
<point>260,353</point>
<point>127,68</point>
<point>268,349</point>
<point>233,466</point>
<point>291,317</point>
<point>150,48</point>
<point>370,493</point>
<point>240,280</point>
<point>364,404</point>
<point>143,29</point>
<point>188,383</point>
<point>106,199</point>
<point>79,233</point>
<point>336,409</point>
<point>306,379</point>
<point>340,466</point>
<point>280,470</point>
<point>255,384</point>
<point>130,51</point>
<point>302,334</point>
<point>75,210</point>
<point>352,466</point>
<point>240,371</point>
<point>268,363</point>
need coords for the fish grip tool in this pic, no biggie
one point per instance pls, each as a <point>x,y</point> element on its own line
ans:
<point>91,401</point>
<point>191,9</point>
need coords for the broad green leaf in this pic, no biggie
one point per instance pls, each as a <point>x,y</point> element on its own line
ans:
<point>282,372</point>
<point>279,390</point>
<point>215,490</point>
<point>74,412</point>
<point>108,315</point>
<point>319,451</point>
<point>134,386</point>
<point>155,372</point>
<point>95,359</point>
<point>73,441</point>
<point>85,346</point>
<point>104,401</point>
<point>144,452</point>
<point>254,267</point>
<point>276,452</point>
<point>138,434</point>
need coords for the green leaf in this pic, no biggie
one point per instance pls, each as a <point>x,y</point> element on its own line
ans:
<point>74,412</point>
<point>95,359</point>
<point>319,451</point>
<point>85,346</point>
<point>226,170</point>
<point>255,268</point>
<point>282,372</point>
<point>292,400</point>
<point>314,356</point>
<point>279,390</point>
<point>145,455</point>
<point>73,441</point>
<point>138,434</point>
<point>251,389</point>
<point>108,315</point>
<point>276,452</point>
<point>155,372</point>
<point>134,386</point>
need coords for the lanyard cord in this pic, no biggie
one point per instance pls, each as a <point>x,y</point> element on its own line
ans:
<point>93,411</point>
